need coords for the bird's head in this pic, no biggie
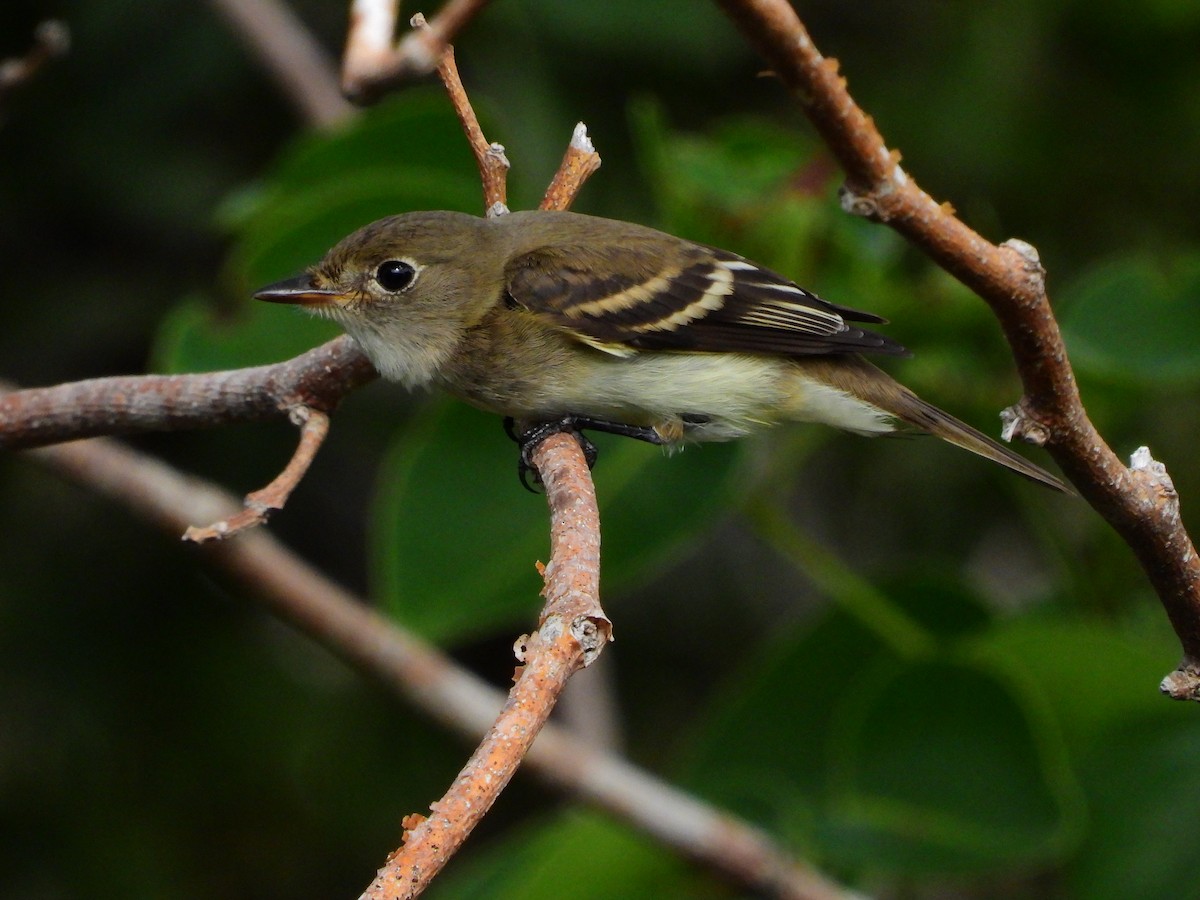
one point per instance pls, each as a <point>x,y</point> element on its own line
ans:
<point>405,288</point>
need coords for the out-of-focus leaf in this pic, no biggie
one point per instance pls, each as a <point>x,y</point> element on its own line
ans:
<point>544,861</point>
<point>1136,319</point>
<point>745,185</point>
<point>456,538</point>
<point>1092,676</point>
<point>767,192</point>
<point>764,751</point>
<point>196,337</point>
<point>416,129</point>
<point>1142,784</point>
<point>404,155</point>
<point>940,767</point>
<point>873,761</point>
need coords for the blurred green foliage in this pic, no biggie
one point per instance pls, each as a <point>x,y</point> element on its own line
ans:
<point>910,667</point>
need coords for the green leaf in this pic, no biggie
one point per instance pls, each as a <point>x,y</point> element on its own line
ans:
<point>764,750</point>
<point>416,129</point>
<point>740,186</point>
<point>869,760</point>
<point>456,538</point>
<point>767,192</point>
<point>1136,319</point>
<point>295,230</point>
<point>196,336</point>
<point>943,767</point>
<point>1142,783</point>
<point>404,155</point>
<point>1092,676</point>
<point>537,862</point>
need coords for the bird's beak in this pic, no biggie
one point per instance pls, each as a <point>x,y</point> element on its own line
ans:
<point>300,291</point>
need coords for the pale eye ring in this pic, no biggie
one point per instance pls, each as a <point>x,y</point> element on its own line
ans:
<point>396,275</point>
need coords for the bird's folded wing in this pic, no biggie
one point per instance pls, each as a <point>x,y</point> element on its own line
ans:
<point>697,299</point>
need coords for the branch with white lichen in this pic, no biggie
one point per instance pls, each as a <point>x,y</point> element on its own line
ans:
<point>1137,501</point>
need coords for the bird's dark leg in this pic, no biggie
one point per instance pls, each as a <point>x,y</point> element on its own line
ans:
<point>532,435</point>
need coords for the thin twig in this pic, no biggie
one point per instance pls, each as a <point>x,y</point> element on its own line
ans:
<point>287,49</point>
<point>1138,502</point>
<point>258,506</point>
<point>348,626</point>
<point>493,164</point>
<point>51,40</point>
<point>372,64</point>
<point>578,164</point>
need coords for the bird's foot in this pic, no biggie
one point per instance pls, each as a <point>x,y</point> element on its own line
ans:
<point>529,436</point>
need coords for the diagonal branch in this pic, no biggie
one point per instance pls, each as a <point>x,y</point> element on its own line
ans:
<point>291,55</point>
<point>296,592</point>
<point>493,164</point>
<point>1139,501</point>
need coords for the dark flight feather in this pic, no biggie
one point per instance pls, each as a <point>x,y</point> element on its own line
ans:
<point>702,299</point>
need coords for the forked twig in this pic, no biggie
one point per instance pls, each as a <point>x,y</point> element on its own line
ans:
<point>258,506</point>
<point>373,63</point>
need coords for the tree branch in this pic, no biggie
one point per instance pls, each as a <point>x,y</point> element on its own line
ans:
<point>573,631</point>
<point>135,404</point>
<point>296,592</point>
<point>314,428</point>
<point>1138,502</point>
<point>578,164</point>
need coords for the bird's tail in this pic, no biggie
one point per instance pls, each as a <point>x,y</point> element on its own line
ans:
<point>873,385</point>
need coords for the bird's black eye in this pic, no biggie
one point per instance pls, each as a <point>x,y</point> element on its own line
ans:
<point>396,275</point>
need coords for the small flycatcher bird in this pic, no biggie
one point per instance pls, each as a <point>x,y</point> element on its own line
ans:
<point>564,321</point>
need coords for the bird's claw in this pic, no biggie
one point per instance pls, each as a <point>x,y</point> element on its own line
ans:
<point>529,439</point>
